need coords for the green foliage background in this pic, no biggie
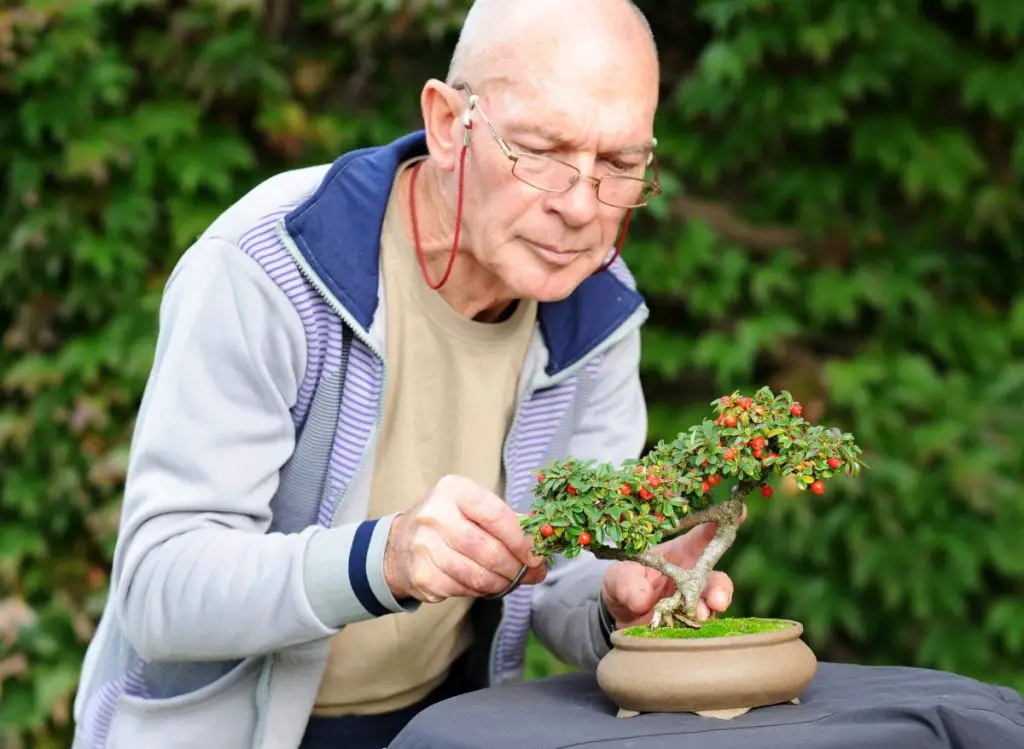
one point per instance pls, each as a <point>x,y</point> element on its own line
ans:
<point>845,220</point>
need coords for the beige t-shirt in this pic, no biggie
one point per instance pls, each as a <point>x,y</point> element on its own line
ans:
<point>448,403</point>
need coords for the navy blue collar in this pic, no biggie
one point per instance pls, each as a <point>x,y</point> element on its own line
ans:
<point>337,229</point>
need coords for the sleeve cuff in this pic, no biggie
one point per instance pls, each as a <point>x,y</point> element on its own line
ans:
<point>344,570</point>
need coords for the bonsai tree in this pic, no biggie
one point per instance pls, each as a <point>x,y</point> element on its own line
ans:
<point>703,475</point>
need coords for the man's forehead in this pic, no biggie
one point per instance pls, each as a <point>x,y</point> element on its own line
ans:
<point>552,109</point>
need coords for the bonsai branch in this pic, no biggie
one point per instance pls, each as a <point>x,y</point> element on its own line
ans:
<point>727,512</point>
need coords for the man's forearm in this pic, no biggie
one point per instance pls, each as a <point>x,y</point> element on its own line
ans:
<point>220,594</point>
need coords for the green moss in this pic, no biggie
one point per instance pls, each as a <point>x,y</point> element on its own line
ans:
<point>724,627</point>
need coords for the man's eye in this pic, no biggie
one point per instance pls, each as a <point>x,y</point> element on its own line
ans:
<point>623,166</point>
<point>536,151</point>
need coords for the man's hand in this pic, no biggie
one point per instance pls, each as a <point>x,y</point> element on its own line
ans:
<point>459,541</point>
<point>631,590</point>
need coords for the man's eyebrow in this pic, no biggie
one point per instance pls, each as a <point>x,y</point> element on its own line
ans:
<point>558,139</point>
<point>637,148</point>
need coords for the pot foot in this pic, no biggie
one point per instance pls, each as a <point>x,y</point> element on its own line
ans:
<point>623,713</point>
<point>729,714</point>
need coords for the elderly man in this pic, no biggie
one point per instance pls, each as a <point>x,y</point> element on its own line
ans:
<point>360,370</point>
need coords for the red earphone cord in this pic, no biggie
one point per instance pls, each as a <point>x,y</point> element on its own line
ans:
<point>458,224</point>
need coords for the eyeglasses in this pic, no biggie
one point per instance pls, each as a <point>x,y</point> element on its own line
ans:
<point>552,175</point>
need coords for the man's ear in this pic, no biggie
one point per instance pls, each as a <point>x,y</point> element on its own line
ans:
<point>442,109</point>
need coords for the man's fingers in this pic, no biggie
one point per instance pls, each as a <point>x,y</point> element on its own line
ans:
<point>535,575</point>
<point>473,578</point>
<point>498,519</point>
<point>635,593</point>
<point>719,591</point>
<point>476,544</point>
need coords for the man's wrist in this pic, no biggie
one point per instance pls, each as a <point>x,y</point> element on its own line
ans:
<point>388,563</point>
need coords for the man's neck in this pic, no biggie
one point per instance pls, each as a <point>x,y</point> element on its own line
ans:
<point>471,290</point>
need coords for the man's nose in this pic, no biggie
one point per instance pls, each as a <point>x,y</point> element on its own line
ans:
<point>579,205</point>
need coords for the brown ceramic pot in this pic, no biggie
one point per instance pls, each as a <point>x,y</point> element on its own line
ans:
<point>718,676</point>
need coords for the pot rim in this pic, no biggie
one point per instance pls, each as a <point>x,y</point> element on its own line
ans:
<point>726,642</point>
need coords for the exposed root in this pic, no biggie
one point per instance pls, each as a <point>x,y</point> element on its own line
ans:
<point>665,611</point>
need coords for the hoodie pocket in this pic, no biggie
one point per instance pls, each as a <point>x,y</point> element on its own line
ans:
<point>219,715</point>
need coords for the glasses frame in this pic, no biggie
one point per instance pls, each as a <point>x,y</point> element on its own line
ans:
<point>649,188</point>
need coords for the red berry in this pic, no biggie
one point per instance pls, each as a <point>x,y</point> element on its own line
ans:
<point>796,409</point>
<point>725,400</point>
<point>546,530</point>
<point>705,463</point>
<point>729,453</point>
<point>757,453</point>
<point>706,487</point>
<point>625,490</point>
<point>757,443</point>
<point>834,463</point>
<point>767,491</point>
<point>660,518</point>
<point>654,481</point>
<point>572,490</point>
<point>584,539</point>
<point>773,455</point>
<point>818,487</point>
<point>714,479</point>
<point>730,421</point>
<point>645,493</point>
<point>745,403</point>
<point>540,477</point>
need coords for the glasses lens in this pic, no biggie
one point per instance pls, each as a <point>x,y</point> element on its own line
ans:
<point>545,174</point>
<point>626,192</point>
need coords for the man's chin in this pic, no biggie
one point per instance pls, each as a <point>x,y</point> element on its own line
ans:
<point>550,287</point>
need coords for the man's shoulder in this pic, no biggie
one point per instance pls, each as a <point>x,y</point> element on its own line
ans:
<point>273,197</point>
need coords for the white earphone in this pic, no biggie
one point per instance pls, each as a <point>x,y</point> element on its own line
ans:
<point>468,110</point>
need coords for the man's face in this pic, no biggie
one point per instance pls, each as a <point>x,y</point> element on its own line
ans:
<point>594,116</point>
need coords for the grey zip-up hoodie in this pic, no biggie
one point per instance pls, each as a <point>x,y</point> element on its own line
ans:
<point>244,544</point>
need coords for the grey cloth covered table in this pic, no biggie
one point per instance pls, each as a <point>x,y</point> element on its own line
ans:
<point>845,707</point>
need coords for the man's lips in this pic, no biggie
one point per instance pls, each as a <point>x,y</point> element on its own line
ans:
<point>554,255</point>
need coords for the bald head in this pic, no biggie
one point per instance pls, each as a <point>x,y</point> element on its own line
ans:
<point>569,81</point>
<point>509,39</point>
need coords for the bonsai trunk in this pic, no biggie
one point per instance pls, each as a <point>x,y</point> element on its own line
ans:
<point>690,584</point>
